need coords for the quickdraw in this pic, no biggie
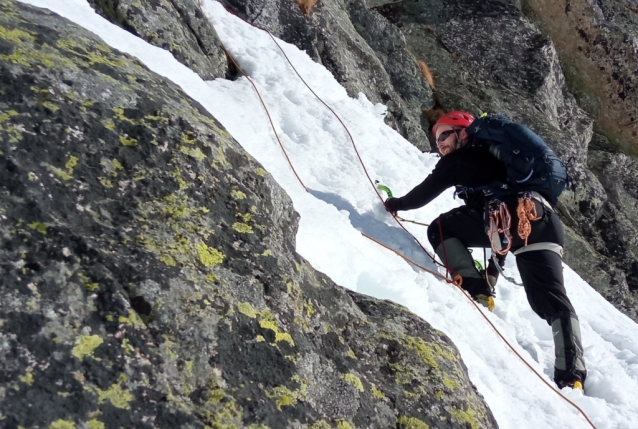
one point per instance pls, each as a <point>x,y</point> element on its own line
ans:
<point>500,221</point>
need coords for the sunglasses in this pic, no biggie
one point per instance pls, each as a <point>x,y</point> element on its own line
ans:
<point>444,135</point>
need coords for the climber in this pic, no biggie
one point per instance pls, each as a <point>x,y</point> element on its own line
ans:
<point>468,165</point>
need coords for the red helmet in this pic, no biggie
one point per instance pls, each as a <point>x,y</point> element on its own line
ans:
<point>456,118</point>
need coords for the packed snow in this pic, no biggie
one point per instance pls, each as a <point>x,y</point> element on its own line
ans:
<point>342,203</point>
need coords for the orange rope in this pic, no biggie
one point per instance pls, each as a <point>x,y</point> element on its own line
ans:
<point>457,280</point>
<point>267,113</point>
<point>526,211</point>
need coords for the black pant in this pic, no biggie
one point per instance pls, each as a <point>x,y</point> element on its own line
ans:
<point>541,272</point>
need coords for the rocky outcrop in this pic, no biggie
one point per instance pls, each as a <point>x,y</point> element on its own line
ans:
<point>180,27</point>
<point>149,277</point>
<point>598,46</point>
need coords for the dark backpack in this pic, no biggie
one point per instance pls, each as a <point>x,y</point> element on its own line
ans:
<point>531,164</point>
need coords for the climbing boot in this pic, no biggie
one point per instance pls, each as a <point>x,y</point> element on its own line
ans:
<point>569,366</point>
<point>458,259</point>
<point>486,301</point>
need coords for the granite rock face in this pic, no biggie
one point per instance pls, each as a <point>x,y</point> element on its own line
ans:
<point>598,45</point>
<point>177,26</point>
<point>149,277</point>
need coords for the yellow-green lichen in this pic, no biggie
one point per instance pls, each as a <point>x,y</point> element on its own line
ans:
<point>424,351</point>
<point>343,424</point>
<point>243,228</point>
<point>27,378</point>
<point>133,319</point>
<point>238,195</point>
<point>261,172</point>
<point>279,336</point>
<point>71,163</point>
<point>351,354</point>
<point>245,217</point>
<point>91,287</point>
<point>127,141</point>
<point>188,368</point>
<point>5,116</point>
<point>412,423</point>
<point>177,175</point>
<point>116,395</point>
<point>209,256</point>
<point>111,166</point>
<point>105,182</point>
<point>126,345</point>
<point>16,35</point>
<point>450,383</point>
<point>95,424</point>
<point>260,338</point>
<point>193,152</point>
<point>188,137</point>
<point>283,396</point>
<point>89,55</point>
<point>246,309</point>
<point>30,57</point>
<point>168,260</point>
<point>439,394</point>
<point>59,172</point>
<point>49,105</point>
<point>62,424</point>
<point>221,412</point>
<point>39,226</point>
<point>108,123</point>
<point>222,157</point>
<point>354,380</point>
<point>267,252</point>
<point>310,311</point>
<point>118,113</point>
<point>462,416</point>
<point>86,345</point>
<point>377,393</point>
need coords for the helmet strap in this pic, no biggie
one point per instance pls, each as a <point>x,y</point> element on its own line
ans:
<point>458,140</point>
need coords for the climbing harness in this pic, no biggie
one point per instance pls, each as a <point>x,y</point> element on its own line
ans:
<point>503,214</point>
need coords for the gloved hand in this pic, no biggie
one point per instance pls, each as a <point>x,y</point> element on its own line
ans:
<point>392,205</point>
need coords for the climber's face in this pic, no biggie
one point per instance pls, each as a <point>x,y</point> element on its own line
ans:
<point>446,139</point>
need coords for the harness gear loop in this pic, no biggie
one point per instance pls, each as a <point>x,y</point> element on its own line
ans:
<point>500,221</point>
<point>526,211</point>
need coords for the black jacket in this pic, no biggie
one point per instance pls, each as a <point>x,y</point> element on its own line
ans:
<point>467,166</point>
